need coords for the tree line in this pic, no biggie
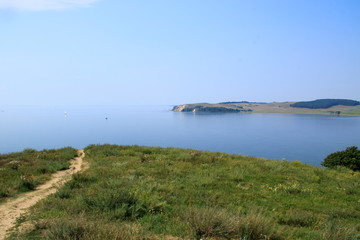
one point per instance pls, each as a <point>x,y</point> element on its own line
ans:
<point>325,103</point>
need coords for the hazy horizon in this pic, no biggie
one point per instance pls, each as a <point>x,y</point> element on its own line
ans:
<point>103,52</point>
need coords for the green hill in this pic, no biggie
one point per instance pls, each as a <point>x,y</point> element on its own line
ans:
<point>133,192</point>
<point>325,103</point>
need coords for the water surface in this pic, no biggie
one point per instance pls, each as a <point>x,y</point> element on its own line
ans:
<point>308,138</point>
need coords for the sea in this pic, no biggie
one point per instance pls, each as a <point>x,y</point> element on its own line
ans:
<point>303,137</point>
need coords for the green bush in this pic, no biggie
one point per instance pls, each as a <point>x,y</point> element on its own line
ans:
<point>29,150</point>
<point>27,183</point>
<point>116,203</point>
<point>335,231</point>
<point>219,224</point>
<point>349,158</point>
<point>4,192</point>
<point>83,229</point>
<point>298,218</point>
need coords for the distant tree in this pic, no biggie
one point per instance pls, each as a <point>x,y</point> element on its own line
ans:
<point>233,102</point>
<point>349,158</point>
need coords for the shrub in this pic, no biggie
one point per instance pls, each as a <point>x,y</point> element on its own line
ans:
<point>349,158</point>
<point>66,230</point>
<point>80,180</point>
<point>64,193</point>
<point>339,213</point>
<point>27,183</point>
<point>119,204</point>
<point>4,192</point>
<point>298,218</point>
<point>214,223</point>
<point>76,229</point>
<point>335,232</point>
<point>29,150</point>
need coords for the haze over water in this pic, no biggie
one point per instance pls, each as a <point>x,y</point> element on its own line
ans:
<point>102,52</point>
<point>308,138</point>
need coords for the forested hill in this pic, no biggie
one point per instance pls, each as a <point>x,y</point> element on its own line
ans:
<point>325,103</point>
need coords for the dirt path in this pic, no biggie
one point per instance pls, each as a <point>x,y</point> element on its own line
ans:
<point>12,209</point>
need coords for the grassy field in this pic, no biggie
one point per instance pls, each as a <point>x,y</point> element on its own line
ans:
<point>352,111</point>
<point>132,192</point>
<point>284,107</point>
<point>23,171</point>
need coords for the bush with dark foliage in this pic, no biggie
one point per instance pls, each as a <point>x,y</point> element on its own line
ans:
<point>349,158</point>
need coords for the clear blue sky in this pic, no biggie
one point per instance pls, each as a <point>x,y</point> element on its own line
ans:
<point>113,52</point>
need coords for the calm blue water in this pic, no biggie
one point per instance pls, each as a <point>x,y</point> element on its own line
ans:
<point>308,138</point>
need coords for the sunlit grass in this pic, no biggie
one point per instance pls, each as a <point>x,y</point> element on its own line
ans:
<point>158,193</point>
<point>24,171</point>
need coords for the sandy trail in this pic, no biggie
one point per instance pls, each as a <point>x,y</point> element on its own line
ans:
<point>12,209</point>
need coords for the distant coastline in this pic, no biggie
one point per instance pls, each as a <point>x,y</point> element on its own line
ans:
<point>320,106</point>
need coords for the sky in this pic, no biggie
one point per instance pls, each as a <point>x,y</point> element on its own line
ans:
<point>115,52</point>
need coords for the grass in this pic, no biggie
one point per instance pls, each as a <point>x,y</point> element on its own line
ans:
<point>353,110</point>
<point>133,192</point>
<point>24,171</point>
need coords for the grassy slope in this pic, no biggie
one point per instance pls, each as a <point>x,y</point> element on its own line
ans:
<point>208,107</point>
<point>23,171</point>
<point>352,111</point>
<point>283,107</point>
<point>133,192</point>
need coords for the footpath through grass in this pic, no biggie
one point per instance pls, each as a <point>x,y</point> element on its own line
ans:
<point>24,171</point>
<point>132,192</point>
